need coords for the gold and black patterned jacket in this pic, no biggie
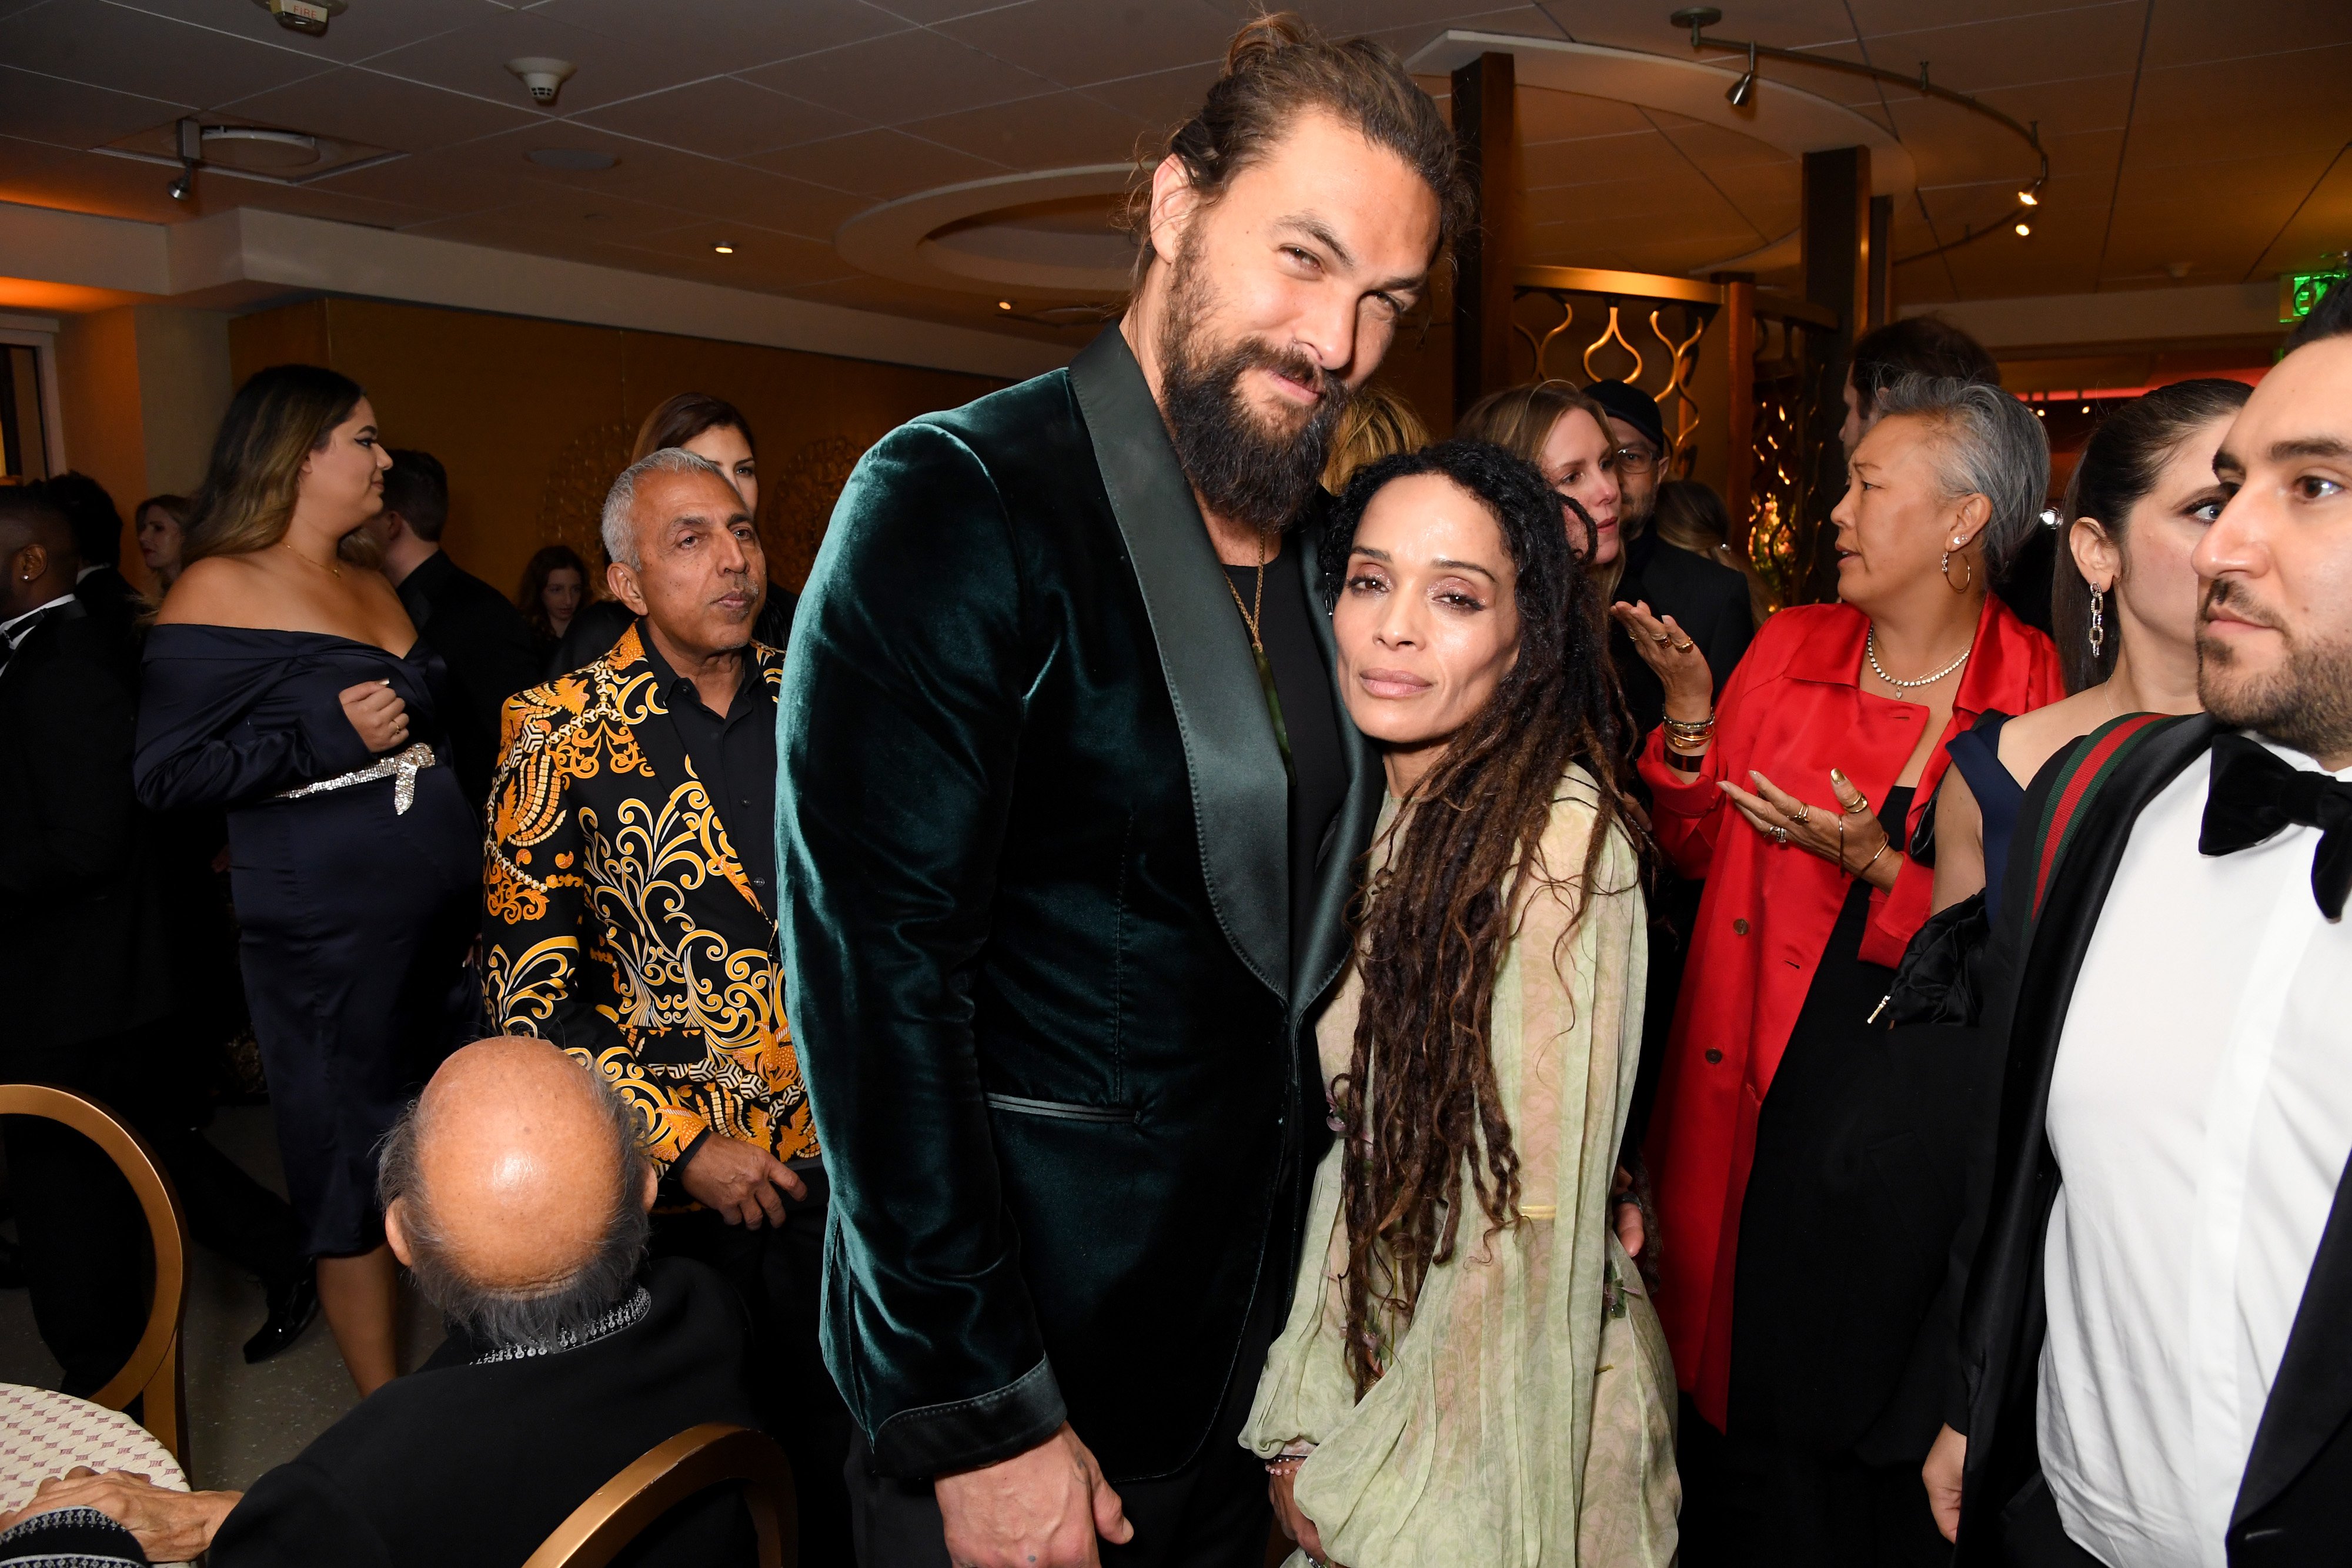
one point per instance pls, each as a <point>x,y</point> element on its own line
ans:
<point>617,920</point>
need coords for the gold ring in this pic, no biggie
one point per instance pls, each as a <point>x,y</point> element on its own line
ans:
<point>1861,806</point>
<point>1803,813</point>
<point>1660,637</point>
<point>1684,647</point>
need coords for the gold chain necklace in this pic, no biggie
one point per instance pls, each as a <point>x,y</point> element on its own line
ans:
<point>334,571</point>
<point>1251,612</point>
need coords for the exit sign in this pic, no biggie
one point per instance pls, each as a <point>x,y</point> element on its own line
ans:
<point>2299,291</point>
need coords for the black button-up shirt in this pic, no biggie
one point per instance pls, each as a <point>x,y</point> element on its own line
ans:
<point>735,758</point>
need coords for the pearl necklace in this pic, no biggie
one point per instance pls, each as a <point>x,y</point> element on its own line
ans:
<point>1870,652</point>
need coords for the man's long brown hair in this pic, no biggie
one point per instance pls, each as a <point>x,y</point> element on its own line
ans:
<point>1435,927</point>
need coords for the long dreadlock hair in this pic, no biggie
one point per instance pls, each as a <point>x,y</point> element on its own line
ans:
<point>1434,929</point>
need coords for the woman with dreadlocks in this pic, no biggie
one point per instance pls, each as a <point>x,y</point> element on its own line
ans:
<point>1472,1370</point>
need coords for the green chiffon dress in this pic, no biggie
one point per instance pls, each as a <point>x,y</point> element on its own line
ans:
<point>1525,1415</point>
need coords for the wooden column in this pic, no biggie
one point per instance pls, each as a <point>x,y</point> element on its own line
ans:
<point>1880,263</point>
<point>1739,426</point>
<point>1485,127</point>
<point>1835,218</point>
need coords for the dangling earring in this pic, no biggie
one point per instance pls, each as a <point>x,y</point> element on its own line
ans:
<point>1968,570</point>
<point>2098,622</point>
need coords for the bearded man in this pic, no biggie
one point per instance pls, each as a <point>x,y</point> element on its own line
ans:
<point>1068,810</point>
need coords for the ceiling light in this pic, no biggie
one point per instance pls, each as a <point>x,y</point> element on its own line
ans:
<point>181,189</point>
<point>2027,198</point>
<point>2041,414</point>
<point>1004,305</point>
<point>2087,408</point>
<point>571,160</point>
<point>1745,88</point>
<point>724,250</point>
<point>2024,230</point>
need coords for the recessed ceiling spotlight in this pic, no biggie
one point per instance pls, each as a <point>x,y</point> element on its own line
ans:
<point>724,250</point>
<point>1004,305</point>
<point>2087,408</point>
<point>571,160</point>
<point>2024,230</point>
<point>2041,414</point>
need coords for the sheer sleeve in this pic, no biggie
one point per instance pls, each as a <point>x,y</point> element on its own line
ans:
<point>1525,1417</point>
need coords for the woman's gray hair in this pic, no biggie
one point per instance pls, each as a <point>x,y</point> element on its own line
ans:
<point>1988,445</point>
<point>496,1318</point>
<point>618,525</point>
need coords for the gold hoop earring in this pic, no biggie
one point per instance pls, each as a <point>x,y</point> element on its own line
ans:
<point>1967,579</point>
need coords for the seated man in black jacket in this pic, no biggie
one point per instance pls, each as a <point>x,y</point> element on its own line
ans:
<point>515,1194</point>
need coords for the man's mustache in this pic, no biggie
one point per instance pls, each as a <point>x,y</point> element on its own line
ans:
<point>2226,592</point>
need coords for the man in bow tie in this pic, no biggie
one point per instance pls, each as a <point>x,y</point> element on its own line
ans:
<point>2152,1344</point>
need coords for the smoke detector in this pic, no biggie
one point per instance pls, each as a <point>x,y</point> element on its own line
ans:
<point>543,76</point>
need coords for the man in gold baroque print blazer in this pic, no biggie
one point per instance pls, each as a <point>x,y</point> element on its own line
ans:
<point>630,917</point>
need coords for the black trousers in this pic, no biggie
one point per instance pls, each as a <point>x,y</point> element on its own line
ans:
<point>2034,1536</point>
<point>779,1272</point>
<point>85,1247</point>
<point>1213,1513</point>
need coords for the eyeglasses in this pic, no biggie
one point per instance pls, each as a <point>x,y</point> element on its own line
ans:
<point>1633,459</point>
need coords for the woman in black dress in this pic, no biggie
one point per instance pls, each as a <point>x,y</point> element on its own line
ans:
<point>285,684</point>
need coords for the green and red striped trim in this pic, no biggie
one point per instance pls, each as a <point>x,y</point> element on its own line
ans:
<point>2095,759</point>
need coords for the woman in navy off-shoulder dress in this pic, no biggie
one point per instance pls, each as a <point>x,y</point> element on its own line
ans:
<point>284,682</point>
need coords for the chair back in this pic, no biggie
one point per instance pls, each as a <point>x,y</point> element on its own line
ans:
<point>696,1459</point>
<point>155,1374</point>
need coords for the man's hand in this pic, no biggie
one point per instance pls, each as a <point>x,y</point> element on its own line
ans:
<point>738,1182</point>
<point>1942,1474</point>
<point>1626,1213</point>
<point>171,1526</point>
<point>1042,1508</point>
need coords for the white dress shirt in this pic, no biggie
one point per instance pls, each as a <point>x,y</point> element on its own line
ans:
<point>2202,1114</point>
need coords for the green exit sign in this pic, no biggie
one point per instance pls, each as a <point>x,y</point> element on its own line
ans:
<point>2299,291</point>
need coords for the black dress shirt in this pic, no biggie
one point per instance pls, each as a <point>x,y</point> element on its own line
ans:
<point>735,758</point>
<point>490,653</point>
<point>1310,718</point>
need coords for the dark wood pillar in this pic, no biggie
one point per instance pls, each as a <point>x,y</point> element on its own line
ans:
<point>1739,427</point>
<point>1881,266</point>
<point>1836,222</point>
<point>1486,126</point>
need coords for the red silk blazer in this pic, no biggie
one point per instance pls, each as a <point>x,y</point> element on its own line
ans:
<point>1794,709</point>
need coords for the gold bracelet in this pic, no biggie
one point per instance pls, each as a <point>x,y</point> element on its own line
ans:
<point>1884,845</point>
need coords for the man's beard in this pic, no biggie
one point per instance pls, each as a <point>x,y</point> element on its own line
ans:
<point>2304,703</point>
<point>1242,469</point>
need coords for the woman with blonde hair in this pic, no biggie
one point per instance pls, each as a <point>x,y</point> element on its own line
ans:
<point>285,684</point>
<point>1379,422</point>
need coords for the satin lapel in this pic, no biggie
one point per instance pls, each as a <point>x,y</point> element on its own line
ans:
<point>665,753</point>
<point>2312,1393</point>
<point>1241,793</point>
<point>1325,948</point>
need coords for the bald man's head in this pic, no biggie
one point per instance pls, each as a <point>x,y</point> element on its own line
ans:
<point>37,550</point>
<point>514,1191</point>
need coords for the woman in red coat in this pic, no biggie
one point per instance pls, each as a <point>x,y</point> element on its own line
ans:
<point>1793,795</point>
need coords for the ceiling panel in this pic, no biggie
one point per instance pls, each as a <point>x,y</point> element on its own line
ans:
<point>903,76</point>
<point>38,174</point>
<point>73,114</point>
<point>366,30</point>
<point>2197,34</point>
<point>1037,133</point>
<point>357,104</point>
<point>1078,42</point>
<point>1162,99</point>
<point>473,60</point>
<point>131,51</point>
<point>723,118</point>
<point>878,163</point>
<point>1547,116</point>
<point>715,36</point>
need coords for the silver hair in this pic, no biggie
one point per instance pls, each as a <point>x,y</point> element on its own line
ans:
<point>1989,443</point>
<point>493,1317</point>
<point>619,524</point>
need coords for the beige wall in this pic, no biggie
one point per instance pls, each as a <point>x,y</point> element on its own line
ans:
<point>533,418</point>
<point>142,387</point>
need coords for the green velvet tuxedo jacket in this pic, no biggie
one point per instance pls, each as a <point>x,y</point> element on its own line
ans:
<point>1033,832</point>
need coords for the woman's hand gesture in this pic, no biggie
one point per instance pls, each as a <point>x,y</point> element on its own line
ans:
<point>1667,649</point>
<point>376,710</point>
<point>1847,833</point>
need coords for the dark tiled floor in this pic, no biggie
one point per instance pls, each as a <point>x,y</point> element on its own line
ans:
<point>242,1419</point>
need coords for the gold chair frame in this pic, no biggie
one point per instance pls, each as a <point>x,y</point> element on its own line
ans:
<point>696,1459</point>
<point>155,1374</point>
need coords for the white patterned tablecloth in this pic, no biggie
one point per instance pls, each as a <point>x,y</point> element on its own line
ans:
<point>44,1434</point>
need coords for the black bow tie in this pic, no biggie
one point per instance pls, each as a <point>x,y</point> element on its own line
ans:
<point>2254,794</point>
